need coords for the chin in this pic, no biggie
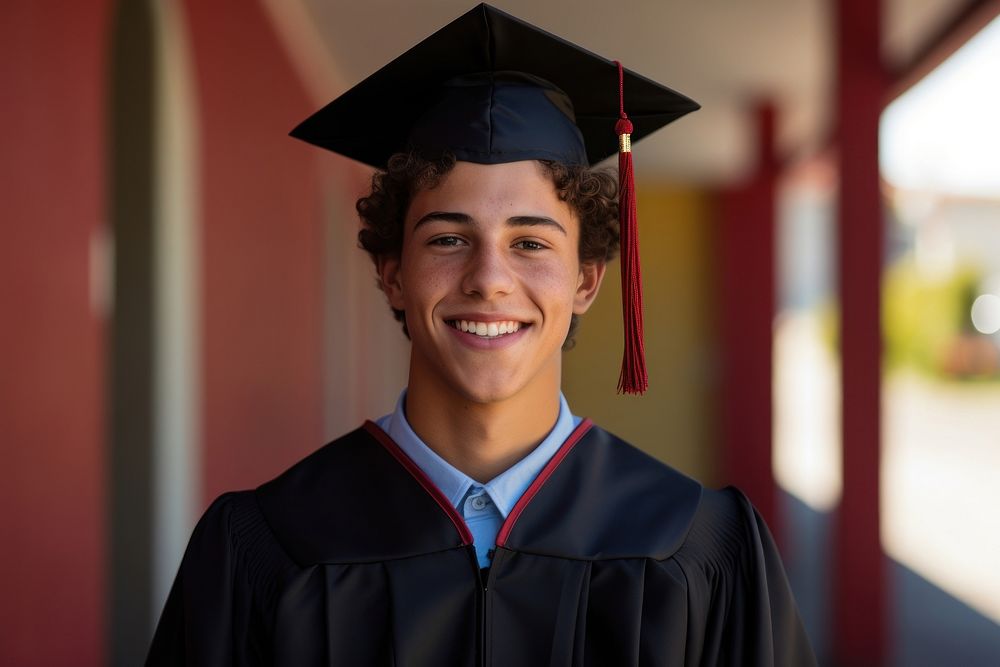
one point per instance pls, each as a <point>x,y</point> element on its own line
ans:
<point>490,392</point>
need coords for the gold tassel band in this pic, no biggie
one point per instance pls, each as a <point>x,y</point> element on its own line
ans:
<point>624,143</point>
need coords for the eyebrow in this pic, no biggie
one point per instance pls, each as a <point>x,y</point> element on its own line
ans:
<point>466,219</point>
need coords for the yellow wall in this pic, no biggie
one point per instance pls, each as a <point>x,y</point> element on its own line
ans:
<point>675,419</point>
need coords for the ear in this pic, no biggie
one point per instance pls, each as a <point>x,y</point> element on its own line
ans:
<point>390,279</point>
<point>591,277</point>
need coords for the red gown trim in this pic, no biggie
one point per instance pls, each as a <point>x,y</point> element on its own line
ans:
<point>543,476</point>
<point>390,446</point>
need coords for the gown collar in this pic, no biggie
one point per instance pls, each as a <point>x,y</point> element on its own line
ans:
<point>506,488</point>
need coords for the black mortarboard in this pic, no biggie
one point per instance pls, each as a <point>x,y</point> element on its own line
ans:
<point>490,88</point>
<point>448,75</point>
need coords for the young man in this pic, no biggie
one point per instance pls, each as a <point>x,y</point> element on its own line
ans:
<point>481,523</point>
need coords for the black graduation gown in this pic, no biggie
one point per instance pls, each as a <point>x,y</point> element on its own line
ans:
<point>353,557</point>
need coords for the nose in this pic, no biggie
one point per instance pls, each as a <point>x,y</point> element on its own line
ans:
<point>488,273</point>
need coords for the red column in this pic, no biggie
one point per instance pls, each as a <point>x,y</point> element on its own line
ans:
<point>747,305</point>
<point>859,586</point>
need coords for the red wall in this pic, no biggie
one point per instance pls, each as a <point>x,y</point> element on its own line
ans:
<point>262,251</point>
<point>52,65</point>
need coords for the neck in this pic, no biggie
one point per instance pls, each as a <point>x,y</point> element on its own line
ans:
<point>482,439</point>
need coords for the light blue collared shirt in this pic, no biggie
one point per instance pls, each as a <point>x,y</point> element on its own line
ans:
<point>483,506</point>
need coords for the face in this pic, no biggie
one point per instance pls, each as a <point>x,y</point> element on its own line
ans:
<point>489,277</point>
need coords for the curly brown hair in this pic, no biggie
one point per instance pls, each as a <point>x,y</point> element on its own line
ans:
<point>592,193</point>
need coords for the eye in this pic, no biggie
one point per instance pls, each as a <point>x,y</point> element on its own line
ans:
<point>527,244</point>
<point>447,241</point>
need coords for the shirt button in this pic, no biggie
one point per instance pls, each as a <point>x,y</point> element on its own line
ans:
<point>479,502</point>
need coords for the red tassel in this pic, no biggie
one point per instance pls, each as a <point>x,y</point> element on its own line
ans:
<point>633,378</point>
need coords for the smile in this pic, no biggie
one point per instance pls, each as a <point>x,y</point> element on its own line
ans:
<point>486,329</point>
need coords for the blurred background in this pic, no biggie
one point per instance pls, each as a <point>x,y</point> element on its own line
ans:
<point>185,310</point>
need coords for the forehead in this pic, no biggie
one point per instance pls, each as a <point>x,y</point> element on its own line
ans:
<point>491,191</point>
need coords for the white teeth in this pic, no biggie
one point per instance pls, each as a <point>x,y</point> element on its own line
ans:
<point>487,329</point>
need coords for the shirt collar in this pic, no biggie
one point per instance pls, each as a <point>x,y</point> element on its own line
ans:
<point>506,488</point>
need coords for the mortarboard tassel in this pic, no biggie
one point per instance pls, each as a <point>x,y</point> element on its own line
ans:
<point>633,378</point>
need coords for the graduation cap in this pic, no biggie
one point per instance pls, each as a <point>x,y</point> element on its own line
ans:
<point>490,88</point>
